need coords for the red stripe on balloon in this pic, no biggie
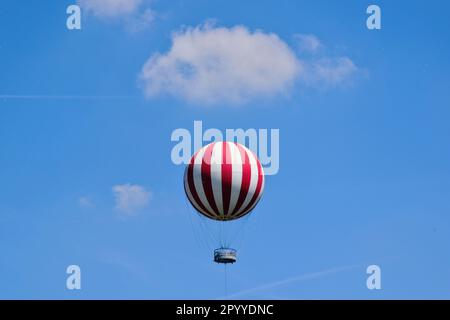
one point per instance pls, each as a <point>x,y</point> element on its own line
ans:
<point>206,178</point>
<point>191,185</point>
<point>257,191</point>
<point>246,177</point>
<point>227,173</point>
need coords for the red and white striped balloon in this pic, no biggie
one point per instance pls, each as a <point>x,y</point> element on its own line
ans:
<point>224,181</point>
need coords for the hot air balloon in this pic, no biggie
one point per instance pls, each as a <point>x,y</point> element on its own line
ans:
<point>224,182</point>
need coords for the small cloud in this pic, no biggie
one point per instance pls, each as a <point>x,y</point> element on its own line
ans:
<point>308,43</point>
<point>136,14</point>
<point>141,21</point>
<point>208,65</point>
<point>110,8</point>
<point>321,70</point>
<point>329,72</point>
<point>85,202</point>
<point>130,198</point>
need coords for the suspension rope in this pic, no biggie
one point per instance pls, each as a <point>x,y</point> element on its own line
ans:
<point>226,283</point>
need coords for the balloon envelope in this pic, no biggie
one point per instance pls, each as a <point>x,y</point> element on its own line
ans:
<point>224,181</point>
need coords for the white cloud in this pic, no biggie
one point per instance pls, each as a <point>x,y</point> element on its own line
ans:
<point>308,43</point>
<point>130,198</point>
<point>329,72</point>
<point>135,14</point>
<point>208,65</point>
<point>110,8</point>
<point>142,20</point>
<point>85,202</point>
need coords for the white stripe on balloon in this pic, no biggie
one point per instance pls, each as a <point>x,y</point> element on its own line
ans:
<point>236,178</point>
<point>216,175</point>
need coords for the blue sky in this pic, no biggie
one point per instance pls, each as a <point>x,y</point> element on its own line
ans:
<point>364,160</point>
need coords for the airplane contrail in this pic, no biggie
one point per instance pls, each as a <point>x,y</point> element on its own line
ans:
<point>61,97</point>
<point>303,277</point>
